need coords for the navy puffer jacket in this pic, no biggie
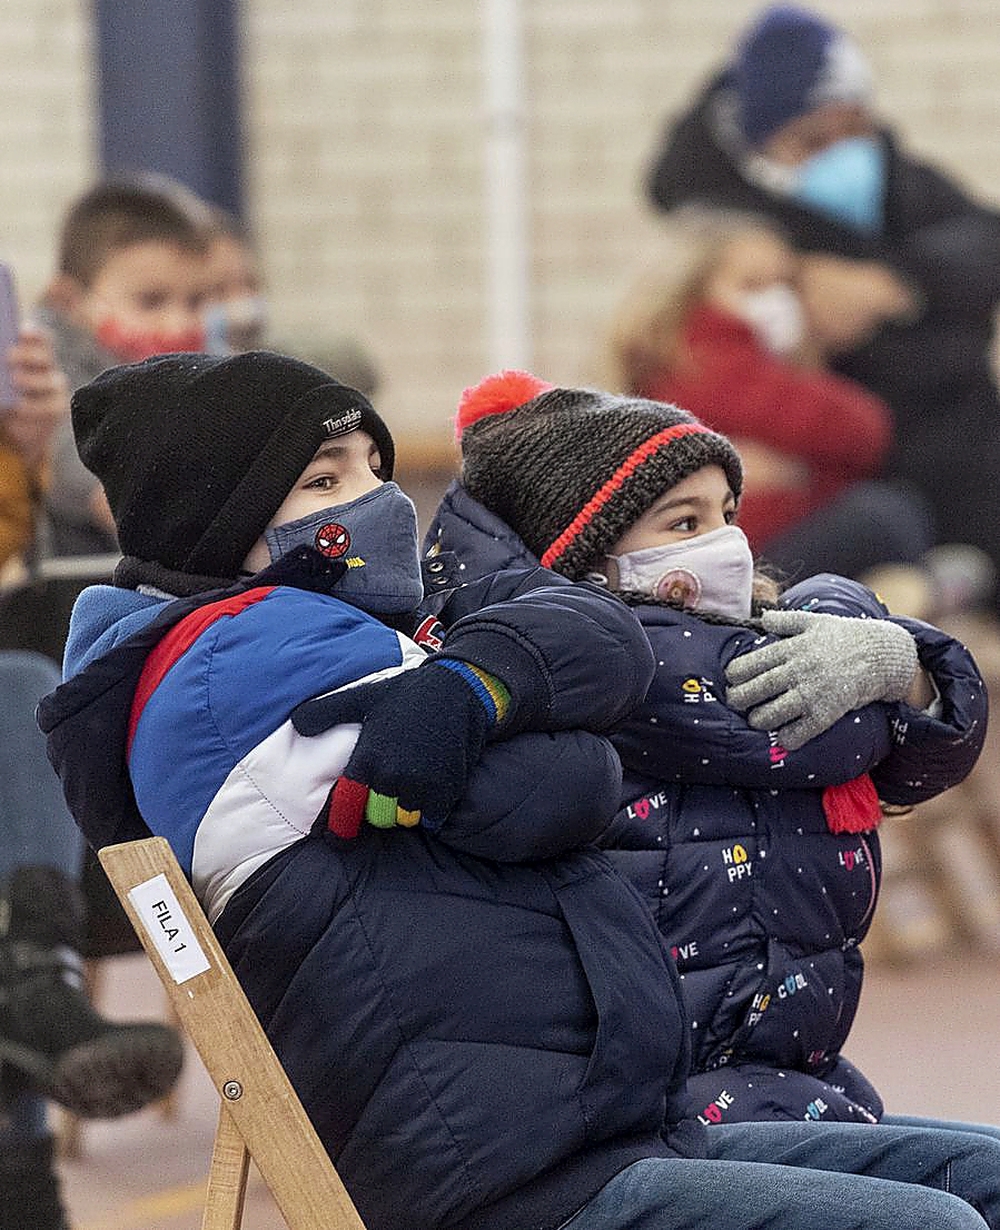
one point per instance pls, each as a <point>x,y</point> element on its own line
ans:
<point>725,834</point>
<point>483,1023</point>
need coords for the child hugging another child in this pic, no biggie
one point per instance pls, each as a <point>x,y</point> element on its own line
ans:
<point>751,829</point>
<point>478,1013</point>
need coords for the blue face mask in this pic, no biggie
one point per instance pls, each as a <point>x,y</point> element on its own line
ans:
<point>375,536</point>
<point>846,181</point>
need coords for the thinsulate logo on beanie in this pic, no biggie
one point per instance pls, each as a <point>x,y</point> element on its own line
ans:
<point>350,420</point>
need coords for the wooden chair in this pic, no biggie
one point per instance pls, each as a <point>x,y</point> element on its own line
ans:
<point>921,863</point>
<point>260,1116</point>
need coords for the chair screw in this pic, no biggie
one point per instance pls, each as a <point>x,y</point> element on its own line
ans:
<point>232,1090</point>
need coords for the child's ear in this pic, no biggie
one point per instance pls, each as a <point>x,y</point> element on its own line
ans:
<point>64,294</point>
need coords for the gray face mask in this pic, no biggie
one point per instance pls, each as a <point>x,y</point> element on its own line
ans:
<point>375,536</point>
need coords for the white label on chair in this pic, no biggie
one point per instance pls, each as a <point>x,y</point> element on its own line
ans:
<point>169,929</point>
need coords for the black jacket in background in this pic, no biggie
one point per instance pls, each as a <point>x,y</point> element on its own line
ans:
<point>935,372</point>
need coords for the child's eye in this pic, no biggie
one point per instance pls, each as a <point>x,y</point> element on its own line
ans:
<point>730,516</point>
<point>322,482</point>
<point>686,525</point>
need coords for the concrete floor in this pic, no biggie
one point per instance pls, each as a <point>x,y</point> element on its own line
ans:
<point>928,1036</point>
<point>146,1172</point>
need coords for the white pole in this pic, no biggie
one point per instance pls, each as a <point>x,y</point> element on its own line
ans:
<point>506,199</point>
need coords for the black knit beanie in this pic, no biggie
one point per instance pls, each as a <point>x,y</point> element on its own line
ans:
<point>197,453</point>
<point>569,470</point>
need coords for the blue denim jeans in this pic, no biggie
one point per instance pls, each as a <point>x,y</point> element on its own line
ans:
<point>810,1176</point>
<point>951,1125</point>
<point>35,825</point>
<point>36,828</point>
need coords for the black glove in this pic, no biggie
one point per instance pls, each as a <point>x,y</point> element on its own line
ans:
<point>422,732</point>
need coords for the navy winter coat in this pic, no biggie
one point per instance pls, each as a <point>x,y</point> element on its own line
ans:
<point>725,835</point>
<point>482,1023</point>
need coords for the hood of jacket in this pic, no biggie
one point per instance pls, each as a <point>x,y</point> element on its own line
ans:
<point>480,540</point>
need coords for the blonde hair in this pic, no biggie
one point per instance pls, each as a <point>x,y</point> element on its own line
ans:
<point>645,333</point>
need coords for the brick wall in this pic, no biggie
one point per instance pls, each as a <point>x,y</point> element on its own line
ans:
<point>46,131</point>
<point>369,131</point>
<point>366,132</point>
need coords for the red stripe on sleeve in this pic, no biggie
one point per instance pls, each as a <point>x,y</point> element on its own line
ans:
<point>179,640</point>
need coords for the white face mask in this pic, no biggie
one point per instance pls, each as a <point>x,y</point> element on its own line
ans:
<point>712,573</point>
<point>776,316</point>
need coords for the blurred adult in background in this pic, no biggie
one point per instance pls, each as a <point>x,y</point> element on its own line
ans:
<point>130,283</point>
<point>714,322</point>
<point>236,311</point>
<point>787,128</point>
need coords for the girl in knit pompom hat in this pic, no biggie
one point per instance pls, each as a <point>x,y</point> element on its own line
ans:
<point>753,838</point>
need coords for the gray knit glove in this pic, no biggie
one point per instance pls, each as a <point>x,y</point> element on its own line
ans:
<point>825,666</point>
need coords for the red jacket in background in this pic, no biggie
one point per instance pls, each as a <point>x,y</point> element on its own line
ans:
<point>840,431</point>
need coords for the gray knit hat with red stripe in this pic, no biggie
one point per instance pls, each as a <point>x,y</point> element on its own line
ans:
<point>569,470</point>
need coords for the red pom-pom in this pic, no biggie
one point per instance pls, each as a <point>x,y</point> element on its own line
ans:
<point>852,807</point>
<point>347,807</point>
<point>496,395</point>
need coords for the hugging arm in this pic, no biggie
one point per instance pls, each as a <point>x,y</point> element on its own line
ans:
<point>955,255</point>
<point>585,650</point>
<point>933,747</point>
<point>536,796</point>
<point>543,655</point>
<point>685,732</point>
<point>821,667</point>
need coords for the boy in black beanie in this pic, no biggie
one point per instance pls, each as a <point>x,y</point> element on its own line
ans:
<point>270,599</point>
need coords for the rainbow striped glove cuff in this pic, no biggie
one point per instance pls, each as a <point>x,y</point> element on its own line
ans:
<point>488,688</point>
<point>422,733</point>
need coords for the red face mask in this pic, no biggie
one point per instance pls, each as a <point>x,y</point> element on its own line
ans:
<point>134,345</point>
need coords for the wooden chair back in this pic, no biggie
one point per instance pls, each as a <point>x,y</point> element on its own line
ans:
<point>260,1115</point>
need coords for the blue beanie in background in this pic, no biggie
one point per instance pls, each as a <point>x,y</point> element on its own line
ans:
<point>789,62</point>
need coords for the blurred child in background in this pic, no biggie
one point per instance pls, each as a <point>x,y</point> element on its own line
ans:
<point>236,314</point>
<point>130,283</point>
<point>716,322</point>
